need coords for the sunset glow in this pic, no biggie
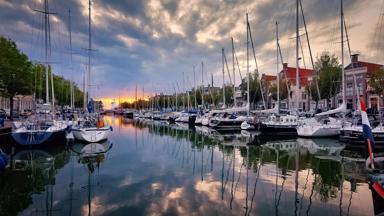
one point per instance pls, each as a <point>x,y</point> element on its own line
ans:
<point>107,102</point>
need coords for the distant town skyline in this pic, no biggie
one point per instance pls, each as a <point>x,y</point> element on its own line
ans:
<point>151,43</point>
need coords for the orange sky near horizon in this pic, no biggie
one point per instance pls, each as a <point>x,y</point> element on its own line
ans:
<point>107,102</point>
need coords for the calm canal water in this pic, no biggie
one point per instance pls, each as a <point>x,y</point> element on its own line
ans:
<point>155,169</point>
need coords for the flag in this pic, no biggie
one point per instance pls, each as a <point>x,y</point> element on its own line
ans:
<point>367,132</point>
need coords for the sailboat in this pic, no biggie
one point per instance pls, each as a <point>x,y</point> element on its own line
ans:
<point>322,125</point>
<point>232,118</point>
<point>41,127</point>
<point>92,127</point>
<point>277,124</point>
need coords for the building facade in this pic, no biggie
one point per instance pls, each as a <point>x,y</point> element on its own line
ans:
<point>356,82</point>
<point>305,79</point>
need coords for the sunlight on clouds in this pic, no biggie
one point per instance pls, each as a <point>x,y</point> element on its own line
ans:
<point>129,41</point>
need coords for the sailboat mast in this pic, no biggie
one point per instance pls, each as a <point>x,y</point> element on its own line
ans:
<point>202,85</point>
<point>297,56</point>
<point>46,17</point>
<point>184,92</point>
<point>89,52</point>
<point>233,72</point>
<point>222,59</point>
<point>277,68</point>
<point>136,97</point>
<point>194,83</point>
<point>248,101</point>
<point>342,49</point>
<point>70,50</point>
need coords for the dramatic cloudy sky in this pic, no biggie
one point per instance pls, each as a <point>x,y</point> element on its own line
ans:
<point>151,43</point>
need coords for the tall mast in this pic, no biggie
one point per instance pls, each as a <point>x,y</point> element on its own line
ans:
<point>248,101</point>
<point>277,68</point>
<point>184,92</point>
<point>233,72</point>
<point>222,59</point>
<point>143,100</point>
<point>70,50</point>
<point>136,97</point>
<point>342,48</point>
<point>46,18</point>
<point>202,85</point>
<point>194,83</point>
<point>89,53</point>
<point>297,56</point>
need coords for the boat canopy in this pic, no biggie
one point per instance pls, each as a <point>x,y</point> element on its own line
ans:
<point>341,109</point>
<point>238,109</point>
<point>267,111</point>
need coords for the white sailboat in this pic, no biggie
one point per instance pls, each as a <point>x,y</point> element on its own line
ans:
<point>233,118</point>
<point>277,124</point>
<point>41,127</point>
<point>91,128</point>
<point>322,125</point>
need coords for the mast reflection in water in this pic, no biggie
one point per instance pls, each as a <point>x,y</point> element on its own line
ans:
<point>160,169</point>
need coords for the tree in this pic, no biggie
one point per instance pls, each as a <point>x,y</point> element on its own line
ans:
<point>330,75</point>
<point>376,81</point>
<point>283,90</point>
<point>254,88</point>
<point>15,71</point>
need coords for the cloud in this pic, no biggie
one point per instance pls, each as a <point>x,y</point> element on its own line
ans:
<point>145,42</point>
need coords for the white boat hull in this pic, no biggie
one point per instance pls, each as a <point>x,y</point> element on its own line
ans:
<point>317,131</point>
<point>91,134</point>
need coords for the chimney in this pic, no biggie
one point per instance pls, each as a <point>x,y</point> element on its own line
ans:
<point>355,58</point>
<point>285,65</point>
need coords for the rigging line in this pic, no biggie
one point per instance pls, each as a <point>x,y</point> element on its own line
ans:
<point>302,53</point>
<point>257,69</point>
<point>229,73</point>
<point>238,65</point>
<point>310,51</point>
<point>285,75</point>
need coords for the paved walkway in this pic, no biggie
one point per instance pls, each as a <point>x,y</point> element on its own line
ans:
<point>7,127</point>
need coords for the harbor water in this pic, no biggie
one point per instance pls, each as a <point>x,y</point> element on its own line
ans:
<point>153,168</point>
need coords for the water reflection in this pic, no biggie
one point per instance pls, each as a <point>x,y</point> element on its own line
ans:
<point>162,169</point>
<point>91,155</point>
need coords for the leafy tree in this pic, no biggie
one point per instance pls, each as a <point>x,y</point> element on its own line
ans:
<point>283,90</point>
<point>15,71</point>
<point>254,88</point>
<point>376,81</point>
<point>330,75</point>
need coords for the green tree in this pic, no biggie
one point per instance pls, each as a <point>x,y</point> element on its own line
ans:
<point>15,71</point>
<point>330,75</point>
<point>254,88</point>
<point>283,90</point>
<point>376,81</point>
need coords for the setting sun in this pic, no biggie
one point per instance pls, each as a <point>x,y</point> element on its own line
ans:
<point>107,102</point>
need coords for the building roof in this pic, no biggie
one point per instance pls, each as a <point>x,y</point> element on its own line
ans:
<point>268,78</point>
<point>371,67</point>
<point>304,75</point>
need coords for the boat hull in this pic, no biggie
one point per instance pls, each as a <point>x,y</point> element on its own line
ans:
<point>317,131</point>
<point>356,137</point>
<point>91,134</point>
<point>278,130</point>
<point>37,137</point>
